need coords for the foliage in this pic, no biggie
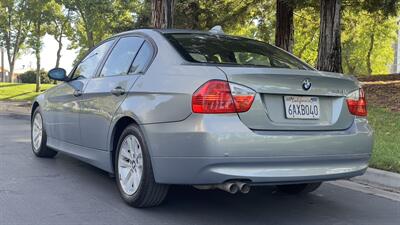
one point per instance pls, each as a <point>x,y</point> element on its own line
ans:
<point>99,19</point>
<point>59,26</point>
<point>357,28</point>
<point>360,27</point>
<point>86,23</point>
<point>29,77</point>
<point>386,153</point>
<point>14,28</point>
<point>306,34</point>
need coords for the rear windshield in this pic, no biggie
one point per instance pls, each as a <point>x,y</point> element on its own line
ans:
<point>222,49</point>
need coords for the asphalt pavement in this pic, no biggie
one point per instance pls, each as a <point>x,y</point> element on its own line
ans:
<point>64,190</point>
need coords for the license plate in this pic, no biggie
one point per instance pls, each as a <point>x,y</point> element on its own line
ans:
<point>302,107</point>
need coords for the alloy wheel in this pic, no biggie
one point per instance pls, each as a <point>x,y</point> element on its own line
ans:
<point>130,164</point>
<point>37,131</point>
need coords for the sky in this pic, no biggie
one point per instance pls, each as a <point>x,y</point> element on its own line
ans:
<point>27,60</point>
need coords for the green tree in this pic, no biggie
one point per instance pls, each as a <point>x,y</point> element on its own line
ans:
<point>306,34</point>
<point>99,19</point>
<point>252,18</point>
<point>14,27</point>
<point>39,12</point>
<point>30,77</point>
<point>59,26</point>
<point>363,34</point>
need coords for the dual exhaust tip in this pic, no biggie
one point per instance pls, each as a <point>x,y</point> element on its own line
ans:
<point>230,187</point>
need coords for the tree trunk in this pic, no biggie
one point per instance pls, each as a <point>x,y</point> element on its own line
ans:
<point>37,54</point>
<point>3,72</point>
<point>12,65</point>
<point>329,47</point>
<point>284,34</point>
<point>370,49</point>
<point>37,70</point>
<point>58,58</point>
<point>60,46</point>
<point>90,39</point>
<point>162,13</point>
<point>195,12</point>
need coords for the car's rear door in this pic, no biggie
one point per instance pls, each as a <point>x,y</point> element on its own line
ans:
<point>104,93</point>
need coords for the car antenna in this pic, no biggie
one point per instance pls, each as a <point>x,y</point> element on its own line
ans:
<point>216,30</point>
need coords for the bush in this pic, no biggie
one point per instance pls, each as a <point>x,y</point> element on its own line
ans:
<point>30,77</point>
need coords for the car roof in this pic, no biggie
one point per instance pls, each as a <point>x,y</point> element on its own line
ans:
<point>164,31</point>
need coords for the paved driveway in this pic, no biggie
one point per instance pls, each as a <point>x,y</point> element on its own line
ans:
<point>65,191</point>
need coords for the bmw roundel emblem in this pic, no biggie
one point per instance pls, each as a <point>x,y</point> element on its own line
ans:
<point>306,84</point>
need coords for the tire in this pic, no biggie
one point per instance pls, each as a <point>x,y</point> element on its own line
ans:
<point>39,141</point>
<point>294,189</point>
<point>139,189</point>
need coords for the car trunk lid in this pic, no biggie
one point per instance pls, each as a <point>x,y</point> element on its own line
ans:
<point>272,85</point>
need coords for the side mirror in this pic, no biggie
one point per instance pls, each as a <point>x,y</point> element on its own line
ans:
<point>57,74</point>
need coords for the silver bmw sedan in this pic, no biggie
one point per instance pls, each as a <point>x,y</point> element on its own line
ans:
<point>163,107</point>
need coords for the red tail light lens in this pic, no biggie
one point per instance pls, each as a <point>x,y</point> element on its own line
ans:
<point>356,103</point>
<point>219,96</point>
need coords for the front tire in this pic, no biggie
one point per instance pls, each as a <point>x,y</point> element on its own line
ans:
<point>134,173</point>
<point>39,137</point>
<point>294,189</point>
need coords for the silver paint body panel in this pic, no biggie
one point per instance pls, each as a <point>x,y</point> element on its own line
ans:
<point>186,148</point>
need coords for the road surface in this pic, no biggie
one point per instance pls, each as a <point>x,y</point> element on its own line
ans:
<point>66,191</point>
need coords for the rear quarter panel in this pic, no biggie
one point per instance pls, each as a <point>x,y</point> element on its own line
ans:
<point>164,92</point>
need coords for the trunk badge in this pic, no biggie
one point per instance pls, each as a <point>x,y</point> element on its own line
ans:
<point>306,85</point>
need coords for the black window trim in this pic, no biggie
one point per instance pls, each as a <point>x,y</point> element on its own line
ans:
<point>103,62</point>
<point>148,63</point>
<point>116,39</point>
<point>88,53</point>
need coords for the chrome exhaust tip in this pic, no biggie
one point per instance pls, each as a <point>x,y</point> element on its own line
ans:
<point>243,187</point>
<point>229,187</point>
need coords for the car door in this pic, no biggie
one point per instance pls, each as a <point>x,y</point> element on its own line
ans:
<point>63,103</point>
<point>104,93</point>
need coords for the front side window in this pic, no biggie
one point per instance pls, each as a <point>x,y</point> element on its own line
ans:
<point>88,66</point>
<point>121,57</point>
<point>230,50</point>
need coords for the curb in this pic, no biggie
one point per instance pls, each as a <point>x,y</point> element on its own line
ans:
<point>380,179</point>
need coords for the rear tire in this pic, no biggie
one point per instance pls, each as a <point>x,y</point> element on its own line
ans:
<point>294,189</point>
<point>132,160</point>
<point>39,137</point>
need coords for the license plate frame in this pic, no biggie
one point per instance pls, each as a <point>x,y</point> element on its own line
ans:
<point>302,107</point>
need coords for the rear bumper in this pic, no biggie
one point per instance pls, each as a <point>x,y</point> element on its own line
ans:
<point>210,149</point>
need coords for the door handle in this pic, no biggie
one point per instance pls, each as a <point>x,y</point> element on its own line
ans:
<point>77,93</point>
<point>118,91</point>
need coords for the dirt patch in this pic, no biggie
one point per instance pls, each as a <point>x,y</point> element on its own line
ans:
<point>385,95</point>
<point>391,77</point>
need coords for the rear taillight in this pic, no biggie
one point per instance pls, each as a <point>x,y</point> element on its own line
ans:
<point>217,96</point>
<point>356,103</point>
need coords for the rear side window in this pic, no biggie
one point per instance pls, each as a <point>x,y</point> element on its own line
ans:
<point>142,58</point>
<point>223,49</point>
<point>121,57</point>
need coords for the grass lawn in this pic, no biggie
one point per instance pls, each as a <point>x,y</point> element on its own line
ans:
<point>386,125</point>
<point>20,92</point>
